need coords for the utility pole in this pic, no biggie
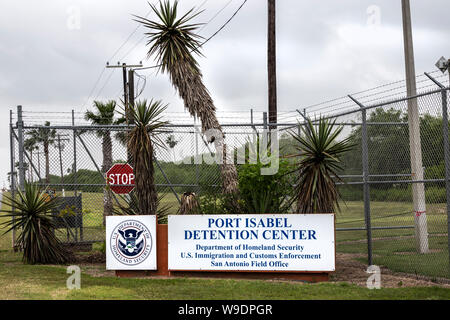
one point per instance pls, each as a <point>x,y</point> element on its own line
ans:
<point>272,61</point>
<point>418,189</point>
<point>126,92</point>
<point>131,94</point>
<point>130,119</point>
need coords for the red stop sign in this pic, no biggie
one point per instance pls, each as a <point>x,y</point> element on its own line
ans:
<point>120,178</point>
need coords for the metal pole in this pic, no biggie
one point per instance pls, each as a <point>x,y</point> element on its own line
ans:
<point>125,91</point>
<point>366,187</point>
<point>447,161</point>
<point>12,176</point>
<point>265,120</point>
<point>131,88</point>
<point>39,163</point>
<point>167,179</point>
<point>60,160</point>
<point>366,184</point>
<point>21,148</point>
<point>418,189</point>
<point>196,159</point>
<point>31,166</point>
<point>74,167</point>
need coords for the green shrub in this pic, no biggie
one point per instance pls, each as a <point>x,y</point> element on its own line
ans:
<point>265,193</point>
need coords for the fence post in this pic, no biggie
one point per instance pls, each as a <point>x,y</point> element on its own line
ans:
<point>74,167</point>
<point>447,161</point>
<point>12,175</point>
<point>196,159</point>
<point>265,120</point>
<point>366,186</point>
<point>446,152</point>
<point>21,148</point>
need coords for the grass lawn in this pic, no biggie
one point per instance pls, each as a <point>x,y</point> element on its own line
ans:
<point>20,281</point>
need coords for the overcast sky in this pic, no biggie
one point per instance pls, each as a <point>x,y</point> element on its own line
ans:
<point>52,52</point>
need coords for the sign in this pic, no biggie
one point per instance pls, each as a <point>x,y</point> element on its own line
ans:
<point>131,242</point>
<point>49,194</point>
<point>289,242</point>
<point>120,178</point>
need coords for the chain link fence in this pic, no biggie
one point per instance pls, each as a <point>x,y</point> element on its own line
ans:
<point>392,214</point>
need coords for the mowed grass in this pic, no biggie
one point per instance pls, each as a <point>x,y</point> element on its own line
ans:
<point>19,281</point>
<point>395,248</point>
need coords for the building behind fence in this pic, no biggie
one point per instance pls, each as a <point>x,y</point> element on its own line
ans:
<point>378,223</point>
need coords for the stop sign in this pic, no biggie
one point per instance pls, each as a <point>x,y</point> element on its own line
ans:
<point>120,178</point>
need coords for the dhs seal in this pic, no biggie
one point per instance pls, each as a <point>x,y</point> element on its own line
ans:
<point>131,242</point>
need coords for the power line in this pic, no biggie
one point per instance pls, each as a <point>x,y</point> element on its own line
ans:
<point>208,39</point>
<point>112,57</point>
<point>224,25</point>
<point>104,85</point>
<point>215,16</point>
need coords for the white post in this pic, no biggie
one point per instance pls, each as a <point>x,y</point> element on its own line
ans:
<point>418,189</point>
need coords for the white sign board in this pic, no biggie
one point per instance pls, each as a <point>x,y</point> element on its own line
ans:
<point>131,243</point>
<point>264,242</point>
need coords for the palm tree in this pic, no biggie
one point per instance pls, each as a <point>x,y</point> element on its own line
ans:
<point>320,162</point>
<point>104,115</point>
<point>30,145</point>
<point>142,139</point>
<point>46,137</point>
<point>173,41</point>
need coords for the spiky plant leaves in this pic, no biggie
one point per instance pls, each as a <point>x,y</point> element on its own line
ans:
<point>34,222</point>
<point>173,41</point>
<point>189,204</point>
<point>142,139</point>
<point>320,155</point>
<point>128,205</point>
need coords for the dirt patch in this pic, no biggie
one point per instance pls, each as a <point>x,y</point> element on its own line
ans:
<point>350,270</point>
<point>92,257</point>
<point>93,264</point>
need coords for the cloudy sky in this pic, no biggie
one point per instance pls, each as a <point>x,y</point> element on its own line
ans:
<point>53,52</point>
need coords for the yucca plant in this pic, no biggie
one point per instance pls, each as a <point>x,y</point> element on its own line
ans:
<point>173,41</point>
<point>320,155</point>
<point>142,139</point>
<point>34,222</point>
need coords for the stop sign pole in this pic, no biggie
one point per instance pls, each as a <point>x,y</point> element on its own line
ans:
<point>120,178</point>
